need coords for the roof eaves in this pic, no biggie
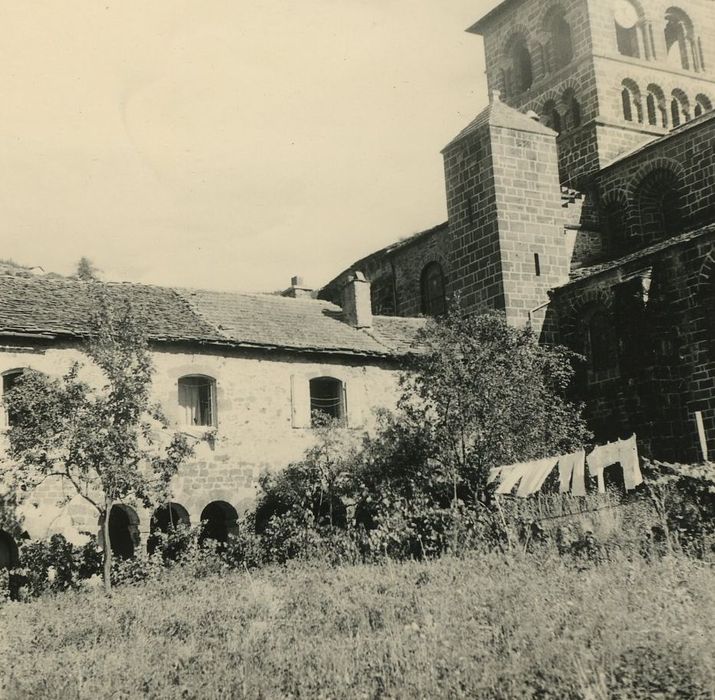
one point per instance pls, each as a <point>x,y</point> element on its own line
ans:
<point>477,27</point>
<point>638,256</point>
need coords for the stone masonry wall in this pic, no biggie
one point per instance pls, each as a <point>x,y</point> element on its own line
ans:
<point>530,214</point>
<point>662,366</point>
<point>256,395</point>
<point>475,259</point>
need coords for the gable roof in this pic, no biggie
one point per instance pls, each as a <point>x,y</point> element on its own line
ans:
<point>52,307</point>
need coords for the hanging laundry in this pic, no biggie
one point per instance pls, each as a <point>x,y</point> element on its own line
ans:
<point>601,457</point>
<point>568,466</point>
<point>628,457</point>
<point>510,477</point>
<point>578,480</point>
<point>623,452</point>
<point>536,474</point>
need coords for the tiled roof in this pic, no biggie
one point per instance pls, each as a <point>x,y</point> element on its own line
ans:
<point>298,324</point>
<point>584,273</point>
<point>60,307</point>
<point>500,114</point>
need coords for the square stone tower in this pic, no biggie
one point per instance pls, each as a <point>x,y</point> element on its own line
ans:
<point>507,243</point>
<point>607,75</point>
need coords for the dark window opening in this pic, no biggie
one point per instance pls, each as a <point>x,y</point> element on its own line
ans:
<point>123,531</point>
<point>702,105</point>
<point>432,285</point>
<point>197,400</point>
<point>522,75</point>
<point>631,100</point>
<point>660,205</point>
<point>561,41</point>
<point>220,521</point>
<point>627,28</point>
<point>537,265</point>
<point>166,520</point>
<point>327,398</point>
<point>9,380</point>
<point>679,40</point>
<point>9,557</point>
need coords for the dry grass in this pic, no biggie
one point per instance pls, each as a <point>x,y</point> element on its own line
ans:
<point>485,627</point>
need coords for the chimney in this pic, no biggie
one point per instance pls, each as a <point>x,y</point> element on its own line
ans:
<point>357,305</point>
<point>297,289</point>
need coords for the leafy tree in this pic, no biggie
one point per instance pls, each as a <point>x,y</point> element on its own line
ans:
<point>482,394</point>
<point>86,270</point>
<point>107,443</point>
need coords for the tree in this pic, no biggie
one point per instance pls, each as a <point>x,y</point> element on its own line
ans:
<point>107,443</point>
<point>481,394</point>
<point>316,484</point>
<point>86,270</point>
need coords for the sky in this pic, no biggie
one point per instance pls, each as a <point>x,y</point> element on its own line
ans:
<point>228,144</point>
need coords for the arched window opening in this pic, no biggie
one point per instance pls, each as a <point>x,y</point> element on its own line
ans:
<point>220,521</point>
<point>631,99</point>
<point>628,31</point>
<point>679,108</point>
<point>9,557</point>
<point>432,290</point>
<point>655,107</point>
<point>520,65</point>
<point>573,109</point>
<point>9,380</point>
<point>660,205</point>
<point>197,400</point>
<point>560,38</point>
<point>166,520</point>
<point>702,105</point>
<point>327,399</point>
<point>124,535</point>
<point>680,40</point>
<point>600,340</point>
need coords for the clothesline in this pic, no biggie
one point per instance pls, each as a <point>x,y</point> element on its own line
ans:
<point>529,477</point>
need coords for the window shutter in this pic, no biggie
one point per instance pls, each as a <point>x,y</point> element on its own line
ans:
<point>300,401</point>
<point>354,401</point>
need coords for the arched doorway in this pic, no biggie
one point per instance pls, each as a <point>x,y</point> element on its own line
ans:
<point>166,519</point>
<point>220,520</point>
<point>123,531</point>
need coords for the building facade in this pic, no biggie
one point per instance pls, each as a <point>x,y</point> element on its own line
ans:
<point>582,201</point>
<point>241,375</point>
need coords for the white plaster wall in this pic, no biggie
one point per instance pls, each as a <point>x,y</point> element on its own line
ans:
<point>255,417</point>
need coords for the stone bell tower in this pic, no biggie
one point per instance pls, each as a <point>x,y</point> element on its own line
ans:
<point>606,75</point>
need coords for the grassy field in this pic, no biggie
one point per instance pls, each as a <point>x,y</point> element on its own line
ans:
<point>482,627</point>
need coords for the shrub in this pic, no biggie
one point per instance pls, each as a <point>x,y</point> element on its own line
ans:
<point>54,564</point>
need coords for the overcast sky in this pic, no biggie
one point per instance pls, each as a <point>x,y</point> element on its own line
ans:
<point>227,144</point>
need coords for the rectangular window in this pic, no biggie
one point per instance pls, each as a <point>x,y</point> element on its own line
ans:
<point>537,265</point>
<point>196,399</point>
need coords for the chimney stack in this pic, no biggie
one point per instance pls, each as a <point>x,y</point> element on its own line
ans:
<point>357,305</point>
<point>297,289</point>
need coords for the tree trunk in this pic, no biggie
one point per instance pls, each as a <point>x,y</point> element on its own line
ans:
<point>107,546</point>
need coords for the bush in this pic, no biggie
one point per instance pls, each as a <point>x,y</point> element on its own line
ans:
<point>53,565</point>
